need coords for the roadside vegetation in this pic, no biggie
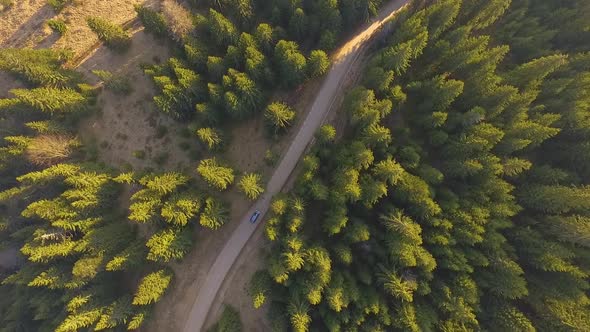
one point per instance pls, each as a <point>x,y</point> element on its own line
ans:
<point>456,199</point>
<point>96,243</point>
<point>61,208</point>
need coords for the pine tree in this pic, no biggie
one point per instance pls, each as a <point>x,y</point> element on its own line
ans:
<point>111,34</point>
<point>152,287</point>
<point>210,137</point>
<point>291,63</point>
<point>250,185</point>
<point>169,244</point>
<point>217,176</point>
<point>51,100</point>
<point>214,215</point>
<point>279,115</point>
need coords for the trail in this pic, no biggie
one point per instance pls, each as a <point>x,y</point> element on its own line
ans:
<point>342,62</point>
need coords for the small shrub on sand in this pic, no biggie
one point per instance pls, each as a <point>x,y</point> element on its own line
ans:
<point>111,34</point>
<point>58,5</point>
<point>5,4</point>
<point>152,20</point>
<point>116,83</point>
<point>58,26</point>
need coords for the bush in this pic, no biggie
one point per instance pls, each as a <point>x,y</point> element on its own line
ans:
<point>117,84</point>
<point>153,21</point>
<point>152,287</point>
<point>139,154</point>
<point>179,20</point>
<point>58,26</point>
<point>317,63</point>
<point>250,185</point>
<point>6,4</point>
<point>48,150</point>
<point>229,321</point>
<point>58,5</point>
<point>111,34</point>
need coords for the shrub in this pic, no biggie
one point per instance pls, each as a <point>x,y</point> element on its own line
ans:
<point>139,154</point>
<point>317,63</point>
<point>279,115</point>
<point>48,150</point>
<point>229,321</point>
<point>111,34</point>
<point>153,21</point>
<point>152,287</point>
<point>250,185</point>
<point>5,4</point>
<point>58,5</point>
<point>178,19</point>
<point>210,137</point>
<point>270,157</point>
<point>58,26</point>
<point>216,175</point>
<point>116,83</point>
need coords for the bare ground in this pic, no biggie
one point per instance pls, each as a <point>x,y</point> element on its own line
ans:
<point>127,125</point>
<point>23,25</point>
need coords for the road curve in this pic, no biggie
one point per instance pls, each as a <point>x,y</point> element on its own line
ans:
<point>341,64</point>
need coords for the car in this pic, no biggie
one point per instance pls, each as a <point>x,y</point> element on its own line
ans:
<point>254,216</point>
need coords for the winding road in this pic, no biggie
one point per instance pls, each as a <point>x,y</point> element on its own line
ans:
<point>342,62</point>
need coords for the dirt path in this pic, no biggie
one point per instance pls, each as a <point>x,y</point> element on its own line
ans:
<point>342,63</point>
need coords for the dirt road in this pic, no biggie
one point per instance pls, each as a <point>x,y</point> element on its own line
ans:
<point>342,62</point>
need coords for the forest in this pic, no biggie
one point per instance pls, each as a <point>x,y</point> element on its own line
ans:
<point>456,196</point>
<point>96,241</point>
<point>456,199</point>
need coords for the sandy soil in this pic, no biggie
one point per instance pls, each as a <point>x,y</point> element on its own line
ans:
<point>23,25</point>
<point>127,124</point>
<point>19,22</point>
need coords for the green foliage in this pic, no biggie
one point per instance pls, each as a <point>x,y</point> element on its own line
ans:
<point>153,21</point>
<point>249,184</point>
<point>259,288</point>
<point>169,244</point>
<point>229,321</point>
<point>58,26</point>
<point>152,287</point>
<point>51,100</point>
<point>317,63</point>
<point>279,116</point>
<point>326,134</point>
<point>214,215</point>
<point>111,34</point>
<point>6,4</point>
<point>291,63</point>
<point>217,176</point>
<point>118,84</point>
<point>210,137</point>
<point>58,5</point>
<point>450,202</point>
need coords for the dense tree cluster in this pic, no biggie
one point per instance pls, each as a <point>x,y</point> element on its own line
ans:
<point>84,263</point>
<point>458,198</point>
<point>236,52</point>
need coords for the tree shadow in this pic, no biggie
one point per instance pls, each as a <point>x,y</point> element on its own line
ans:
<point>26,29</point>
<point>48,41</point>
